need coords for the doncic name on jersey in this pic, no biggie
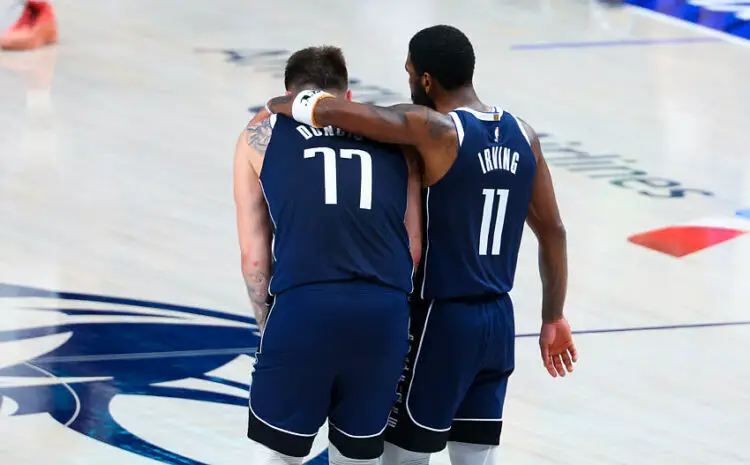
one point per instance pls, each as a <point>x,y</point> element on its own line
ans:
<point>124,371</point>
<point>308,132</point>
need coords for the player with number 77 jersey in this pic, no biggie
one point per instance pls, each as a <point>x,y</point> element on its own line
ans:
<point>484,177</point>
<point>327,221</point>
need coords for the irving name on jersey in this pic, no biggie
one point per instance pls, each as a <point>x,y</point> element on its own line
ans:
<point>498,158</point>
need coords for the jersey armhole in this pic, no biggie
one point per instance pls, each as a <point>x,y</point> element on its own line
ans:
<point>459,127</point>
<point>523,130</point>
<point>272,122</point>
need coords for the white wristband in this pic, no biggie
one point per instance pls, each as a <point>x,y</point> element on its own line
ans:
<point>303,108</point>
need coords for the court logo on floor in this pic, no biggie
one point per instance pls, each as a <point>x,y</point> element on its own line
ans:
<point>617,170</point>
<point>112,369</point>
<point>730,16</point>
<point>689,238</point>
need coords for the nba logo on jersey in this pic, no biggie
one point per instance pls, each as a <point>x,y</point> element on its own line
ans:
<point>497,134</point>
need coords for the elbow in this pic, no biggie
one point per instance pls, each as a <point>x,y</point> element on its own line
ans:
<point>558,230</point>
<point>554,234</point>
<point>250,263</point>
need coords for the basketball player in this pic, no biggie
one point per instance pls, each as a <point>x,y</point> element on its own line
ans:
<point>334,342</point>
<point>485,176</point>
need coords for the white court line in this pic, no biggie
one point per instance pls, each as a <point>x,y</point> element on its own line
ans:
<point>145,355</point>
<point>664,18</point>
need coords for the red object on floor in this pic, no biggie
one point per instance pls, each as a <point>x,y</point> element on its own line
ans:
<point>679,241</point>
<point>36,28</point>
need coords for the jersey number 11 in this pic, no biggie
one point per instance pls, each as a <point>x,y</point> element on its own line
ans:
<point>484,231</point>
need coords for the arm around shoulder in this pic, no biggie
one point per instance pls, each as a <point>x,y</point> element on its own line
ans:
<point>405,124</point>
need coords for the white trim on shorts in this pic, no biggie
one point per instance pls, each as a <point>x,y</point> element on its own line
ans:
<point>304,435</point>
<point>414,376</point>
<point>250,393</point>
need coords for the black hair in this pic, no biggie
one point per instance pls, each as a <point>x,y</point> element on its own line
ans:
<point>445,53</point>
<point>321,67</point>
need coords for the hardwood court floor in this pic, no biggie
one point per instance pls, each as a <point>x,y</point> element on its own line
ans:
<point>125,334</point>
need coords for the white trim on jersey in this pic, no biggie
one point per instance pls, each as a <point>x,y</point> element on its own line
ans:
<point>268,318</point>
<point>273,119</point>
<point>459,127</point>
<point>427,238</point>
<point>494,115</point>
<point>523,130</point>
<point>273,234</point>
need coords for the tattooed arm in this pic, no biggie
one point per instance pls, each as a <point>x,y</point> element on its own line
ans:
<point>253,222</point>
<point>431,133</point>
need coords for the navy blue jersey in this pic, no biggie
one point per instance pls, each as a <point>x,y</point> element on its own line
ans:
<point>338,204</point>
<point>475,214</point>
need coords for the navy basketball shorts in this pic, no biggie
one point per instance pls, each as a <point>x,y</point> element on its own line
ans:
<point>329,351</point>
<point>453,388</point>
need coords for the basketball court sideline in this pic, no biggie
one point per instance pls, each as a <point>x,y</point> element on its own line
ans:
<point>125,332</point>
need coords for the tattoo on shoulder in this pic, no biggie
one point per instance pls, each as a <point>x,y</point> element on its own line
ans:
<point>437,125</point>
<point>259,135</point>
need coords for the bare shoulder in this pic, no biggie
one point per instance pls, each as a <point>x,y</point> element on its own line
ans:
<point>437,124</point>
<point>252,143</point>
<point>536,146</point>
<point>527,127</point>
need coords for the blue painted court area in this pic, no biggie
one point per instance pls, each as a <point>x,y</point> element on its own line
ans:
<point>612,43</point>
<point>732,17</point>
<point>744,213</point>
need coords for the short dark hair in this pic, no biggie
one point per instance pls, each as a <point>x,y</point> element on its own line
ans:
<point>322,67</point>
<point>445,53</point>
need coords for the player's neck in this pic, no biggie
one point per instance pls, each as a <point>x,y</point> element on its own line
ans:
<point>336,92</point>
<point>463,97</point>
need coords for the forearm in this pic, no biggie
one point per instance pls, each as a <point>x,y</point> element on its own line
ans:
<point>553,269</point>
<point>257,274</point>
<point>415,249</point>
<point>399,124</point>
<point>389,125</point>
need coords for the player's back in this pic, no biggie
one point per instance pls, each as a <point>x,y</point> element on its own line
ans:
<point>475,214</point>
<point>338,203</point>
